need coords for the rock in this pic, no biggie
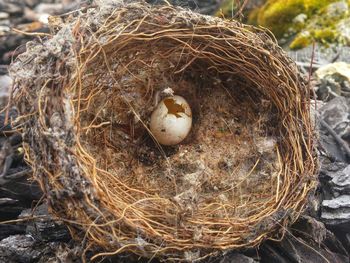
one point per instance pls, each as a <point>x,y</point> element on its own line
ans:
<point>337,210</point>
<point>334,80</point>
<point>4,29</point>
<point>335,214</point>
<point>340,183</point>
<point>335,168</point>
<point>44,228</point>
<point>31,3</point>
<point>7,230</point>
<point>328,89</point>
<point>17,189</point>
<point>343,27</point>
<point>10,208</point>
<point>315,229</point>
<point>336,113</point>
<point>236,257</point>
<point>18,248</point>
<point>5,85</point>
<point>338,68</point>
<point>5,26</point>
<point>4,15</point>
<point>322,56</point>
<point>24,249</point>
<point>51,9</point>
<point>300,19</point>
<point>11,45</point>
<point>335,207</point>
<point>337,9</point>
<point>11,7</point>
<point>28,16</point>
<point>307,241</point>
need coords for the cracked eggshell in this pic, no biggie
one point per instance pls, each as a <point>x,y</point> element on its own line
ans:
<point>171,121</point>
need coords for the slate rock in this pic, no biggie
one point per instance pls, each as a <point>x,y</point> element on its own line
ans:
<point>43,227</point>
<point>336,210</point>
<point>236,257</point>
<point>336,113</point>
<point>334,81</point>
<point>18,248</point>
<point>340,183</point>
<point>335,206</point>
<point>5,85</point>
<point>307,240</point>
<point>7,230</point>
<point>24,249</point>
<point>322,56</point>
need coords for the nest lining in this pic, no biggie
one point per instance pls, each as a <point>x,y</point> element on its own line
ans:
<point>245,169</point>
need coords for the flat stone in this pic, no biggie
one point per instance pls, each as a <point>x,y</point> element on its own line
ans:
<point>336,211</point>
<point>4,15</point>
<point>339,68</point>
<point>340,183</point>
<point>337,115</point>
<point>342,201</point>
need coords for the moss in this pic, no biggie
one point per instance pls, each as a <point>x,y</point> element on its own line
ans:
<point>277,15</point>
<point>301,41</point>
<point>227,8</point>
<point>253,16</point>
<point>326,35</point>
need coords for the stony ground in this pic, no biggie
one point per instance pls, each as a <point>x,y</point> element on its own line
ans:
<point>322,234</point>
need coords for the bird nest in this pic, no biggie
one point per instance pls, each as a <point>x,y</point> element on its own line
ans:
<point>86,93</point>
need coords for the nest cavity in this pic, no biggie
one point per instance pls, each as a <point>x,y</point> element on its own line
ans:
<point>86,94</point>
